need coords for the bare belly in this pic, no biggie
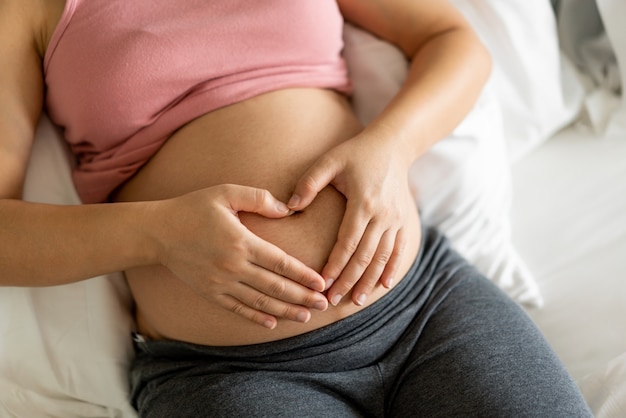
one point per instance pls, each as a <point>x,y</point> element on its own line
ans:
<point>266,142</point>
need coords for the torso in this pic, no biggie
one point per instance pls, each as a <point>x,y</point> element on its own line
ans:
<point>267,141</point>
<point>121,77</point>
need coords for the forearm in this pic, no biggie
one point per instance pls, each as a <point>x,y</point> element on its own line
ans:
<point>445,78</point>
<point>43,245</point>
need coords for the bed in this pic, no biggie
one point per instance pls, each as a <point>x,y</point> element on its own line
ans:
<point>530,187</point>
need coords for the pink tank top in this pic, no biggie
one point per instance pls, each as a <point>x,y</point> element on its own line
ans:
<point>122,75</point>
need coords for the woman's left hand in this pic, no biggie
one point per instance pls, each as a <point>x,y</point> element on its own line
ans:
<point>373,176</point>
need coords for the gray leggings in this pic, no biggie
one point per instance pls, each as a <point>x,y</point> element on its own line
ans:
<point>445,342</point>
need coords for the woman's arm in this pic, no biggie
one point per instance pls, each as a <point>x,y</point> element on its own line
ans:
<point>21,92</point>
<point>43,245</point>
<point>449,67</point>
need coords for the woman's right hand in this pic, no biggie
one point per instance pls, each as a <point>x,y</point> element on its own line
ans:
<point>202,241</point>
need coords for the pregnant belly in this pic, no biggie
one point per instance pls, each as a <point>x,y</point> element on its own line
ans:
<point>266,142</point>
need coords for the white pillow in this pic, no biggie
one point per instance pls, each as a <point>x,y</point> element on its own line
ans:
<point>534,84</point>
<point>64,350</point>
<point>463,183</point>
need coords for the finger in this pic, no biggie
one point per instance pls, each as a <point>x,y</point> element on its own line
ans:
<point>388,276</point>
<point>252,199</point>
<point>312,182</point>
<point>261,302</point>
<point>234,305</point>
<point>273,259</point>
<point>373,273</point>
<point>349,236</point>
<point>357,265</point>
<point>284,290</point>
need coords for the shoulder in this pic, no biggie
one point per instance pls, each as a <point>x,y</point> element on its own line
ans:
<point>30,21</point>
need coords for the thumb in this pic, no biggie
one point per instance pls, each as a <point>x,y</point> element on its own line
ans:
<point>316,178</point>
<point>254,200</point>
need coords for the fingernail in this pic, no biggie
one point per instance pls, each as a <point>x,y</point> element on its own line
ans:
<point>389,283</point>
<point>361,299</point>
<point>282,207</point>
<point>329,283</point>
<point>335,300</point>
<point>302,317</point>
<point>318,286</point>
<point>320,305</point>
<point>293,202</point>
<point>268,324</point>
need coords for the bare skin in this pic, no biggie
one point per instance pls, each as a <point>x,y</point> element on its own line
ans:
<point>223,147</point>
<point>206,261</point>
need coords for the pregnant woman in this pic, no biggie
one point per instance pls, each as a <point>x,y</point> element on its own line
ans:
<point>270,242</point>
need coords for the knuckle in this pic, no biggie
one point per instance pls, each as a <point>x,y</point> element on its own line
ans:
<point>382,257</point>
<point>369,207</point>
<point>225,266</point>
<point>282,265</point>
<point>345,286</point>
<point>237,244</point>
<point>350,246</point>
<point>238,308</point>
<point>366,284</point>
<point>364,258</point>
<point>228,265</point>
<point>309,183</point>
<point>261,302</point>
<point>277,288</point>
<point>261,198</point>
<point>288,312</point>
<point>302,278</point>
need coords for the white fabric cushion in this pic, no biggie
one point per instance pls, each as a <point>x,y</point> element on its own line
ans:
<point>64,350</point>
<point>534,84</point>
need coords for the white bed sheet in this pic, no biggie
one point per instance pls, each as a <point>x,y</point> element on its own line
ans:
<point>569,224</point>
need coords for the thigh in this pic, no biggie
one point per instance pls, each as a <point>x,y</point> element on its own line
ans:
<point>480,355</point>
<point>265,394</point>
